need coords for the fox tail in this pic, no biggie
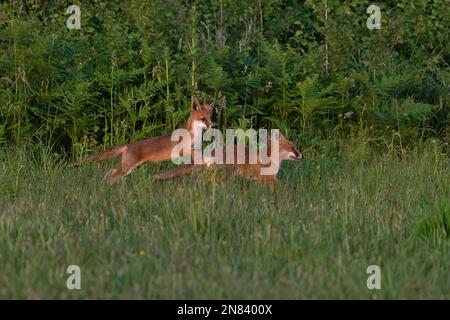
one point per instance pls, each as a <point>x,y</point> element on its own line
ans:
<point>102,156</point>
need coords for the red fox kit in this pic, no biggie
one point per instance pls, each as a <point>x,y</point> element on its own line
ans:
<point>153,149</point>
<point>287,151</point>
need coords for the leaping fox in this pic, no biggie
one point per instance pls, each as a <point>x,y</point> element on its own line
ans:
<point>153,149</point>
<point>287,151</point>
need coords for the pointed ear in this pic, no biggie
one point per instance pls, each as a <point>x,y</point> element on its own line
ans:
<point>209,106</point>
<point>195,105</point>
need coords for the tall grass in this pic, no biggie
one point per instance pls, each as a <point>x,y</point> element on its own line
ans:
<point>370,110</point>
<point>311,236</point>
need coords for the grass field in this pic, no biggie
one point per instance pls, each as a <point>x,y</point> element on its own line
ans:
<point>311,236</point>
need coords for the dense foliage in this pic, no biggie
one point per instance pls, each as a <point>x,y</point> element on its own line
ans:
<point>311,68</point>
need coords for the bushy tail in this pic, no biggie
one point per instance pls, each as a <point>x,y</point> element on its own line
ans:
<point>102,156</point>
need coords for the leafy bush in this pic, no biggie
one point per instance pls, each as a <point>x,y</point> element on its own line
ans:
<point>311,68</point>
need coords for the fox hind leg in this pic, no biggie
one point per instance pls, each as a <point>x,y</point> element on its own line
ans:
<point>114,174</point>
<point>128,163</point>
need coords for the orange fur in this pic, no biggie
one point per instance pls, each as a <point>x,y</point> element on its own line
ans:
<point>287,151</point>
<point>153,149</point>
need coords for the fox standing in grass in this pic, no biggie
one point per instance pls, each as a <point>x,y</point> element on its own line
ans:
<point>153,149</point>
<point>287,151</point>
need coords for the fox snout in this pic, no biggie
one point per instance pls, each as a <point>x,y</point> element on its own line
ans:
<point>295,155</point>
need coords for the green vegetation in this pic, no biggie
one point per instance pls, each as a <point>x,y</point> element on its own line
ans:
<point>370,109</point>
<point>311,236</point>
<point>132,68</point>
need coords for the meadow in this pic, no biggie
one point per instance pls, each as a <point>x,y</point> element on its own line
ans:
<point>311,236</point>
<point>369,108</point>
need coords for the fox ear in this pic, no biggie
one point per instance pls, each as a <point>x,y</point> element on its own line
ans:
<point>195,104</point>
<point>211,105</point>
<point>222,103</point>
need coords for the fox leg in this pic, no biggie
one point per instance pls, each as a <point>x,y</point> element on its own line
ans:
<point>114,174</point>
<point>128,163</point>
<point>177,172</point>
<point>268,180</point>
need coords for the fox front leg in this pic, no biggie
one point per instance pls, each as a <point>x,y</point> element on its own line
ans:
<point>268,180</point>
<point>177,172</point>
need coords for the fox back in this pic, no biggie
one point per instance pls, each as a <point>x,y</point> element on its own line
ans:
<point>253,171</point>
<point>154,149</point>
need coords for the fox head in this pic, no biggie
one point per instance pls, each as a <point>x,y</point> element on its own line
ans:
<point>200,116</point>
<point>287,149</point>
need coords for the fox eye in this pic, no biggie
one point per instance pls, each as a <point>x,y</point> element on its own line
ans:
<point>203,119</point>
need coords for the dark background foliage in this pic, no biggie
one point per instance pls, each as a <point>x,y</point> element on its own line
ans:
<point>311,68</point>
